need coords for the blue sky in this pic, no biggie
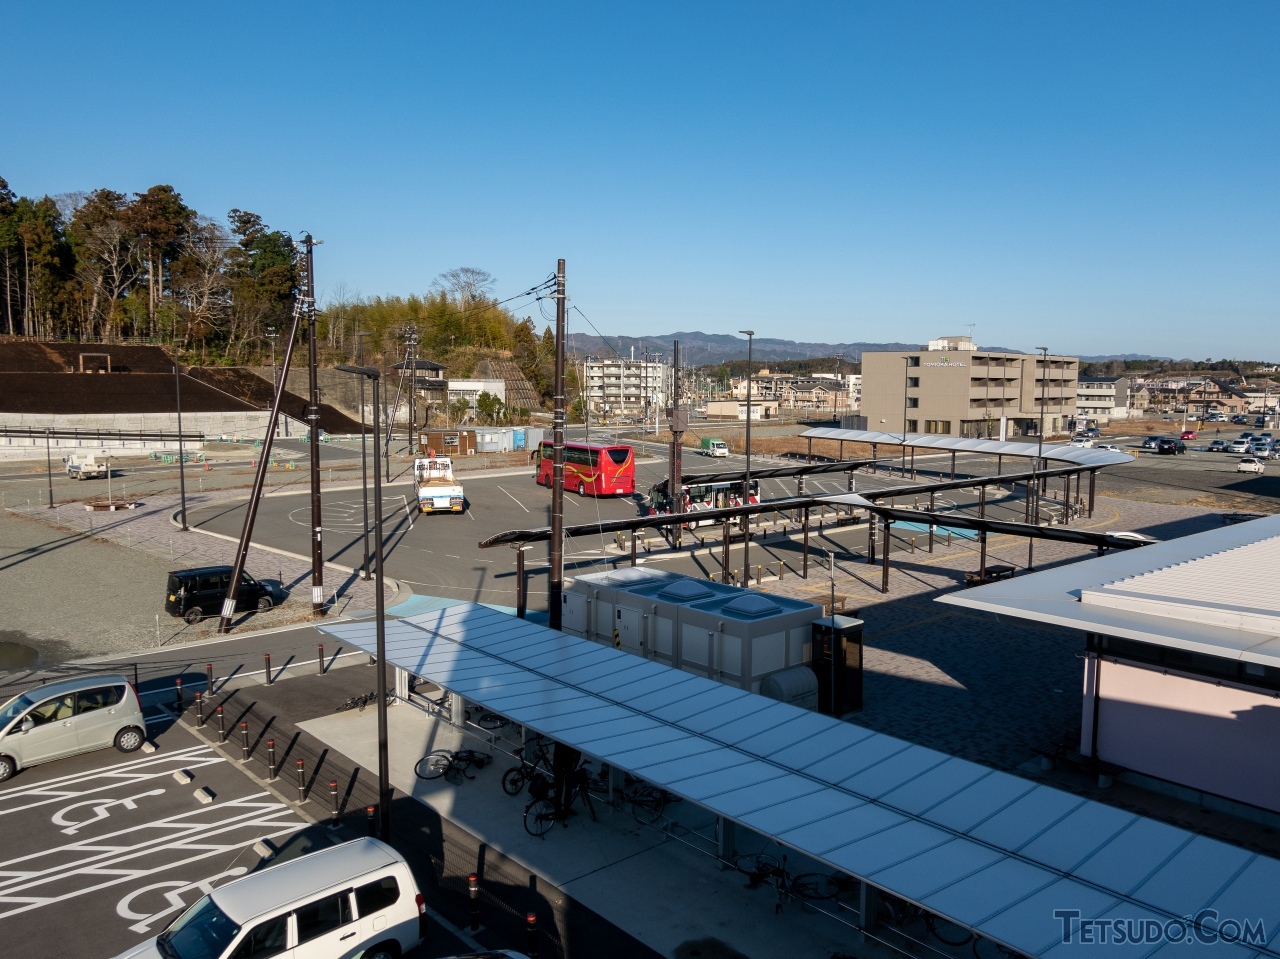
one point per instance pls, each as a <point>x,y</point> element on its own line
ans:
<point>1095,177</point>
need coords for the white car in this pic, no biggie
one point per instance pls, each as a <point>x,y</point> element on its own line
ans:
<point>1238,446</point>
<point>1250,465</point>
<point>1109,446</point>
<point>1081,442</point>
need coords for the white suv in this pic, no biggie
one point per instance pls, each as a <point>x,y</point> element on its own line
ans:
<point>1250,465</point>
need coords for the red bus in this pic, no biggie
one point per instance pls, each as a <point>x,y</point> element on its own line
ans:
<point>591,469</point>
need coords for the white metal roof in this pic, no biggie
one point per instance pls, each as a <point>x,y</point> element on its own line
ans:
<point>989,850</point>
<point>1078,456</point>
<point>1208,593</point>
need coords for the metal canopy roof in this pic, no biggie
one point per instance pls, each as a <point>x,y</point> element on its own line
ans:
<point>1206,593</point>
<point>989,850</point>
<point>1086,456</point>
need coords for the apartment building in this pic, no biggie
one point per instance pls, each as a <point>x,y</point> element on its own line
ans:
<point>622,385</point>
<point>1100,399</point>
<point>952,388</point>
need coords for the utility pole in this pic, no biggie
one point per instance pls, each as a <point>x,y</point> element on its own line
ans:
<point>313,423</point>
<point>746,476</point>
<point>679,423</point>
<point>411,344</point>
<point>182,475</point>
<point>364,450</point>
<point>555,587</point>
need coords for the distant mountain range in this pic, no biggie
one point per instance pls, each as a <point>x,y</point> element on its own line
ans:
<point>701,349</point>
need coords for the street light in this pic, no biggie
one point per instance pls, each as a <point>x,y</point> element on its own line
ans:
<point>364,451</point>
<point>182,476</point>
<point>271,335</point>
<point>380,626</point>
<point>746,482</point>
<point>1035,467</point>
<point>906,384</point>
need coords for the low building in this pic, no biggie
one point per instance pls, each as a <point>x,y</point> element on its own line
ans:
<point>737,409</point>
<point>1182,669</point>
<point>1100,399</point>
<point>625,386</point>
<point>952,388</point>
<point>470,390</point>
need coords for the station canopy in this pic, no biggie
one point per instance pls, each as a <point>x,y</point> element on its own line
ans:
<point>1085,456</point>
<point>991,851</point>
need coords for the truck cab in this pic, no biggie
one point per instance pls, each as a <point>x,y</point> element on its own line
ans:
<point>438,491</point>
<point>714,447</point>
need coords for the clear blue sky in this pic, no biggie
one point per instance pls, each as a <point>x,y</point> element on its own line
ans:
<point>1093,177</point>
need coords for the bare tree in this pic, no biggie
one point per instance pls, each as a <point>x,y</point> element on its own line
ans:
<point>200,279</point>
<point>466,283</point>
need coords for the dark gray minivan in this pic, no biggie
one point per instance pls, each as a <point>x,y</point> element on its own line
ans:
<point>196,593</point>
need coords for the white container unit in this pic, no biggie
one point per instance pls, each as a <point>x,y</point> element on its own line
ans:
<point>734,636</point>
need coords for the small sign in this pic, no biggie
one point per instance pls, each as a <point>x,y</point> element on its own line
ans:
<point>451,439</point>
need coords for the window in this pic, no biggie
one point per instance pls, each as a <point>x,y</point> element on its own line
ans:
<point>101,698</point>
<point>323,915</point>
<point>937,426</point>
<point>620,455</point>
<point>213,581</point>
<point>913,382</point>
<point>913,402</point>
<point>913,361</point>
<point>52,710</point>
<point>376,896</point>
<point>265,939</point>
<point>203,932</point>
<point>912,426</point>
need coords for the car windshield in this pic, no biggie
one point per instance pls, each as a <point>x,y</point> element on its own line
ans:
<point>202,932</point>
<point>15,708</point>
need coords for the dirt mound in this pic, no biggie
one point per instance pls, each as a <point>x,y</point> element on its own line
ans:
<point>70,394</point>
<point>25,356</point>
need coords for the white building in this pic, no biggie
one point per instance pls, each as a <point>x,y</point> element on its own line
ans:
<point>470,390</point>
<point>1102,398</point>
<point>618,385</point>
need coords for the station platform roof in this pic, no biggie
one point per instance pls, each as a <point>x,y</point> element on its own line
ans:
<point>1078,456</point>
<point>991,851</point>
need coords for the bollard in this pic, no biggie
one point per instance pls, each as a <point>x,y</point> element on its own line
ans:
<point>222,726</point>
<point>371,818</point>
<point>531,935</point>
<point>177,692</point>
<point>208,677</point>
<point>473,890</point>
<point>266,657</point>
<point>333,804</point>
<point>759,573</point>
<point>244,742</point>
<point>302,782</point>
<point>913,544</point>
<point>320,658</point>
<point>199,709</point>
<point>781,567</point>
<point>271,760</point>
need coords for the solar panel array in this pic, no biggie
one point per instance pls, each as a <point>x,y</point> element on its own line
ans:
<point>991,851</point>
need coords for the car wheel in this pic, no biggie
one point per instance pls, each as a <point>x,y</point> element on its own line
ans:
<point>264,603</point>
<point>129,739</point>
<point>7,768</point>
<point>383,950</point>
<point>193,616</point>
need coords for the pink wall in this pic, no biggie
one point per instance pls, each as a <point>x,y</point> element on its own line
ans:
<point>1218,739</point>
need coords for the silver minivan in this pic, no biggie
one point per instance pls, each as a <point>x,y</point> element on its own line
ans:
<point>67,717</point>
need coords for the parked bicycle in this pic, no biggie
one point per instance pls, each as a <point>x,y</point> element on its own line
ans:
<point>810,886</point>
<point>899,912</point>
<point>452,764</point>
<point>514,779</point>
<point>647,803</point>
<point>358,702</point>
<point>541,813</point>
<point>488,720</point>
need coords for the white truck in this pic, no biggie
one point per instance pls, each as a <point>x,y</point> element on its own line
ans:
<point>81,466</point>
<point>438,491</point>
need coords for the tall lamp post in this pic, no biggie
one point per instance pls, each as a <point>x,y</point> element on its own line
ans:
<point>906,384</point>
<point>364,451</point>
<point>1035,469</point>
<point>380,626</point>
<point>271,335</point>
<point>182,476</point>
<point>746,481</point>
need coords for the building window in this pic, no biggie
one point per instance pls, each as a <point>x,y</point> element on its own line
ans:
<point>913,382</point>
<point>913,402</point>
<point>913,361</point>
<point>912,426</point>
<point>937,426</point>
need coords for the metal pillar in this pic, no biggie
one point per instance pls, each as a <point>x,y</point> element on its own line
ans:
<point>931,497</point>
<point>522,597</point>
<point>871,538</point>
<point>953,465</point>
<point>808,439</point>
<point>724,554</point>
<point>884,567</point>
<point>982,556</point>
<point>1093,475</point>
<point>804,562</point>
<point>913,462</point>
<point>182,472</point>
<point>555,586</point>
<point>633,547</point>
<point>48,465</point>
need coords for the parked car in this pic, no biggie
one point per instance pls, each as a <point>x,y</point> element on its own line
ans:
<point>1238,446</point>
<point>1109,446</point>
<point>1218,446</point>
<point>1188,434</point>
<point>1081,442</point>
<point>1239,418</point>
<point>195,593</point>
<point>1151,442</point>
<point>1246,435</point>
<point>1250,464</point>
<point>68,717</point>
<point>355,899</point>
<point>1093,432</point>
<point>1266,435</point>
<point>1170,447</point>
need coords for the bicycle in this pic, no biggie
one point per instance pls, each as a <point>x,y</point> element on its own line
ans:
<point>810,886</point>
<point>899,912</point>
<point>358,702</point>
<point>491,721</point>
<point>450,763</point>
<point>514,779</point>
<point>648,803</point>
<point>541,814</point>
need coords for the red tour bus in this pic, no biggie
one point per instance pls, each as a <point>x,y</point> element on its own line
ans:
<point>591,469</point>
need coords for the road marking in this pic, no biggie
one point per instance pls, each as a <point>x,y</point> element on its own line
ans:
<point>518,503</point>
<point>100,810</point>
<point>173,897</point>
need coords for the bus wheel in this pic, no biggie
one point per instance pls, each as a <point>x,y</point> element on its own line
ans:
<point>582,488</point>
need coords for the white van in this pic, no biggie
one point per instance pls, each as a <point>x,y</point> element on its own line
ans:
<point>67,717</point>
<point>353,901</point>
